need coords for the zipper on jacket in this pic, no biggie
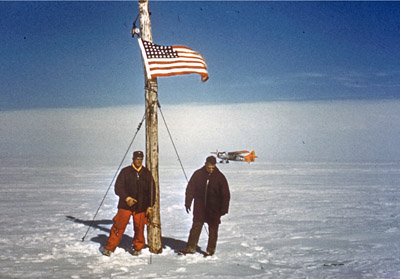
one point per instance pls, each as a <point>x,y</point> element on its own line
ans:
<point>205,198</point>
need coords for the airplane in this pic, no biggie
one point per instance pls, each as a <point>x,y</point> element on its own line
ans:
<point>236,156</point>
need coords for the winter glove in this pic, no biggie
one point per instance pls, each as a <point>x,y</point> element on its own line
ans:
<point>187,208</point>
<point>149,211</point>
<point>130,201</point>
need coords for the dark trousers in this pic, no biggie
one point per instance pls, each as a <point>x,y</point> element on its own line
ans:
<point>194,236</point>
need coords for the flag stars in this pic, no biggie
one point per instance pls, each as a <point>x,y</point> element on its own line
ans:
<point>156,51</point>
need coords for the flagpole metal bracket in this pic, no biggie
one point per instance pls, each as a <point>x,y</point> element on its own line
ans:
<point>135,30</point>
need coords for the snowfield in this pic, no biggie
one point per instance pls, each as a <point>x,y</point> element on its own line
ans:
<point>310,218</point>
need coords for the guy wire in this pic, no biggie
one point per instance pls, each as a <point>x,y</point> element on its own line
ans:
<point>115,175</point>
<point>176,151</point>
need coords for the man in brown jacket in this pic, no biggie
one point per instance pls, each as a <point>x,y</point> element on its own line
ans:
<point>209,189</point>
<point>136,191</point>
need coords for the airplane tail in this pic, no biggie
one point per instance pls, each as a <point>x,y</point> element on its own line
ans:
<point>250,157</point>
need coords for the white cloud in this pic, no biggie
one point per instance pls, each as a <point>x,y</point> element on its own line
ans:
<point>278,131</point>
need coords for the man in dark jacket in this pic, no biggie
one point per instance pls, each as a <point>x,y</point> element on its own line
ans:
<point>136,191</point>
<point>210,191</point>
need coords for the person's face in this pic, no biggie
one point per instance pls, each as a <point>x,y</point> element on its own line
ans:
<point>210,168</point>
<point>137,162</point>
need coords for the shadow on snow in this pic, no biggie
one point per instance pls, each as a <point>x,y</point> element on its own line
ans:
<point>126,241</point>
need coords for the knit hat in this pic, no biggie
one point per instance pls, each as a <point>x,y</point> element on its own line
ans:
<point>211,160</point>
<point>137,154</point>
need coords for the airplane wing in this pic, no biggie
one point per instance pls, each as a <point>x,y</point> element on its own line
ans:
<point>240,152</point>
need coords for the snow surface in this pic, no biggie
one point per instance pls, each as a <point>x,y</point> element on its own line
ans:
<point>304,209</point>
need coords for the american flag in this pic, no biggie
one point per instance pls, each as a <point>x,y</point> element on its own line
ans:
<point>163,61</point>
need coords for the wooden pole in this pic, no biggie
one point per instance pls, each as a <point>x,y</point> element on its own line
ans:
<point>151,96</point>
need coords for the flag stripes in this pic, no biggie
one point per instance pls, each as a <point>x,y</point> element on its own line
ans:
<point>163,61</point>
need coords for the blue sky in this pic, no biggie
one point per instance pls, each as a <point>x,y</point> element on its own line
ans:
<point>81,54</point>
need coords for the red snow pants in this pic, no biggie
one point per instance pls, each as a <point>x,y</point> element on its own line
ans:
<point>121,220</point>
